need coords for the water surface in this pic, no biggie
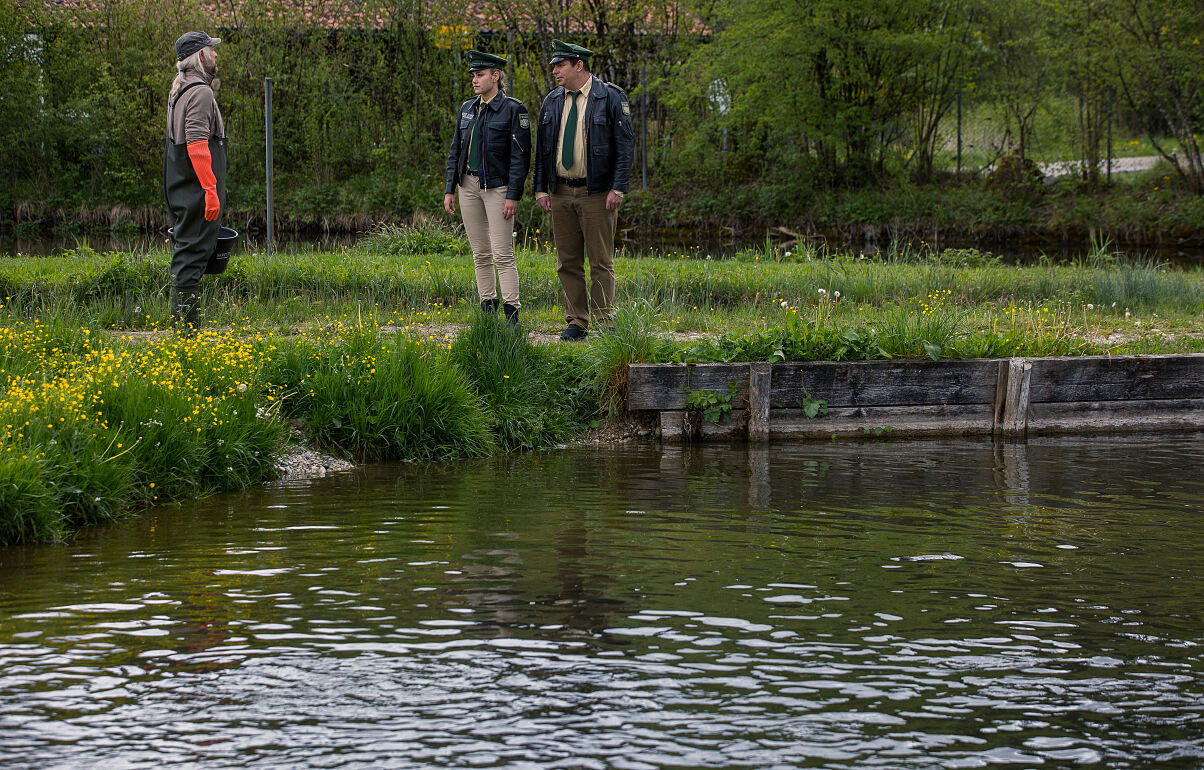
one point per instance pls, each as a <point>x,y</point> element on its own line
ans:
<point>902,604</point>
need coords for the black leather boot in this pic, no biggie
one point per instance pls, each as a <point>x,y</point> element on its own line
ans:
<point>185,312</point>
<point>490,305</point>
<point>511,314</point>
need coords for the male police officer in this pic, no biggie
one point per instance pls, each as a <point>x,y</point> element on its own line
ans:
<point>582,163</point>
<point>194,172</point>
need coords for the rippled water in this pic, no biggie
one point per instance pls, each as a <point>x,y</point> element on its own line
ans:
<point>951,604</point>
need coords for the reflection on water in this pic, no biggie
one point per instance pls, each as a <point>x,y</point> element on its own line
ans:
<point>951,604</point>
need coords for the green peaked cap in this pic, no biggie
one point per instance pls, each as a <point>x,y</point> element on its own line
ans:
<point>479,60</point>
<point>562,50</point>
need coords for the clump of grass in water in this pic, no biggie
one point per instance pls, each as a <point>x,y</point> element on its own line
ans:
<point>534,395</point>
<point>632,341</point>
<point>429,238</point>
<point>379,398</point>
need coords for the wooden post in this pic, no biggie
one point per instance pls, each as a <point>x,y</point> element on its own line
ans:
<point>672,426</point>
<point>759,382</point>
<point>1001,393</point>
<point>1015,407</point>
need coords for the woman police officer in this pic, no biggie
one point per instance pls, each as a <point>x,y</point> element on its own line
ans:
<point>488,160</point>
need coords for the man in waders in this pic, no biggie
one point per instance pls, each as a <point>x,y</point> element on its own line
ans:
<point>194,173</point>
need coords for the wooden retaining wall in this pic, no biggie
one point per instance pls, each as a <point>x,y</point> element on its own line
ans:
<point>1010,397</point>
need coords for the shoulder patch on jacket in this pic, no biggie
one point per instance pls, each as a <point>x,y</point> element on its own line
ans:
<point>524,120</point>
<point>622,93</point>
<point>623,101</point>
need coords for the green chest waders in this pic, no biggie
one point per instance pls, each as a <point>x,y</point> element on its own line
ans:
<point>194,239</point>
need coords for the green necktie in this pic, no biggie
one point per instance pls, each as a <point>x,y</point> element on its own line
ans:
<point>570,135</point>
<point>474,145</point>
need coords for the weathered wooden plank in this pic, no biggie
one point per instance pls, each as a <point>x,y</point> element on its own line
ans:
<point>652,387</point>
<point>672,426</point>
<point>1105,416</point>
<point>946,420</point>
<point>759,379</point>
<point>1108,378</point>
<point>1001,390</point>
<point>678,426</point>
<point>876,383</point>
<point>1016,401</point>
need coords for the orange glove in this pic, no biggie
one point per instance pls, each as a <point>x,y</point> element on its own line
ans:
<point>202,164</point>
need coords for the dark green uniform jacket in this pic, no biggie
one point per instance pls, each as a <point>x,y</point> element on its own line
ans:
<point>505,136</point>
<point>609,136</point>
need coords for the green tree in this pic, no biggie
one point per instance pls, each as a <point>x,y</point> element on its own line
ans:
<point>1159,65</point>
<point>1017,76</point>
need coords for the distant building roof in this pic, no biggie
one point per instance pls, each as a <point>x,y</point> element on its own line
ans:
<point>480,16</point>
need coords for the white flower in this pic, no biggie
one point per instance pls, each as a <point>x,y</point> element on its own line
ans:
<point>783,303</point>
<point>1090,306</point>
<point>788,253</point>
<point>1126,312</point>
<point>242,387</point>
<point>823,291</point>
<point>836,294</point>
<point>514,234</point>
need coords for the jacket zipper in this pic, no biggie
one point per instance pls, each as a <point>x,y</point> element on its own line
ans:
<point>481,120</point>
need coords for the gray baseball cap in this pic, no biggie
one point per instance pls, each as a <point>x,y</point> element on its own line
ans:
<point>191,42</point>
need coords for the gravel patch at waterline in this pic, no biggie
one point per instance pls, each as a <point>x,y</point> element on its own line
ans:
<point>300,462</point>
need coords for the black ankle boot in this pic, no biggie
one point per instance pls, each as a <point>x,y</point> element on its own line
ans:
<point>511,314</point>
<point>185,312</point>
<point>490,305</point>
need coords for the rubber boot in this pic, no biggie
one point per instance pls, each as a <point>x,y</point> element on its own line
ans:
<point>511,314</point>
<point>185,312</point>
<point>490,305</point>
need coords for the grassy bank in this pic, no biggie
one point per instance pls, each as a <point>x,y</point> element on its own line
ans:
<point>95,425</point>
<point>404,277</point>
<point>378,352</point>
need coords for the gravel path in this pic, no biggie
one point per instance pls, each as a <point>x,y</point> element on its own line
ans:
<point>1119,166</point>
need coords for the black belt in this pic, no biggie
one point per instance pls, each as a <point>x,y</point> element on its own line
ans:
<point>470,172</point>
<point>570,182</point>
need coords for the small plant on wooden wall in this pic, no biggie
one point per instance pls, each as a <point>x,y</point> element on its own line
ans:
<point>714,406</point>
<point>812,407</point>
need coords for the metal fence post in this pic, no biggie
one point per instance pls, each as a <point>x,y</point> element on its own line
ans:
<point>1109,134</point>
<point>644,128</point>
<point>267,130</point>
<point>959,131</point>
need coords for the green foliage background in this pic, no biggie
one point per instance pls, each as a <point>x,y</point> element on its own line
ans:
<point>758,108</point>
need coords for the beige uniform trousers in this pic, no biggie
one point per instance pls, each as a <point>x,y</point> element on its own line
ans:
<point>491,237</point>
<point>581,224</point>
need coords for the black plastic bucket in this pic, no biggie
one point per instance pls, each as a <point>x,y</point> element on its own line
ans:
<point>226,238</point>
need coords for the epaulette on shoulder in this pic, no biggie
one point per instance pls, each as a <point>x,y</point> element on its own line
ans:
<point>622,93</point>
